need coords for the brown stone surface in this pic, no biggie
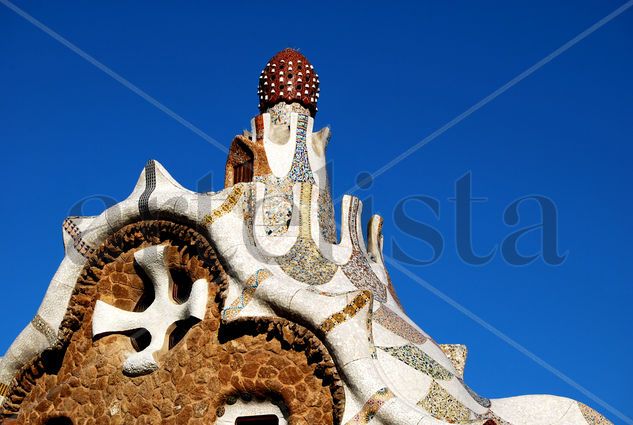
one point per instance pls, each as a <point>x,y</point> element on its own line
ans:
<point>241,151</point>
<point>211,365</point>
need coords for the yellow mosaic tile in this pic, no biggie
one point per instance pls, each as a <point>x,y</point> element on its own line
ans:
<point>226,207</point>
<point>457,354</point>
<point>349,311</point>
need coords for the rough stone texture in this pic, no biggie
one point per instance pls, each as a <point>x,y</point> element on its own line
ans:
<point>206,369</point>
<point>242,151</point>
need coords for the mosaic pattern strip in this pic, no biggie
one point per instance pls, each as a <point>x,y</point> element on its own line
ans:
<point>301,171</point>
<point>227,206</point>
<point>326,216</point>
<point>357,269</point>
<point>441,405</point>
<point>371,407</point>
<point>44,328</point>
<point>591,416</point>
<point>390,320</point>
<point>80,245</point>
<point>250,286</point>
<point>419,360</point>
<point>350,310</point>
<point>150,186</point>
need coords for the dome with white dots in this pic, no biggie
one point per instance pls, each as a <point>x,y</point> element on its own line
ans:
<point>288,77</point>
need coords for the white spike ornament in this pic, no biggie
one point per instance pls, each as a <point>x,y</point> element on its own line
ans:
<point>158,317</point>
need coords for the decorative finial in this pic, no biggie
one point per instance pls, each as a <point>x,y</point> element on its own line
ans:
<point>288,77</point>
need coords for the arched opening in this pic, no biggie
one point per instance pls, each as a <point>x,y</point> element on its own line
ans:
<point>247,410</point>
<point>240,164</point>
<point>59,420</point>
<point>257,420</point>
<point>243,173</point>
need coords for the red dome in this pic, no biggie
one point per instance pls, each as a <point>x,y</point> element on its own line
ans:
<point>288,77</point>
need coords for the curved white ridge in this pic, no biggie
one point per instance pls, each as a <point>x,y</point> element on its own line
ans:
<point>158,195</point>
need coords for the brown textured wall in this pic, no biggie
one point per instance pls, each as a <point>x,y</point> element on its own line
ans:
<point>200,374</point>
<point>242,148</point>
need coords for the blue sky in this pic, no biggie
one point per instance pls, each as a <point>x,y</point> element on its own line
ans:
<point>391,73</point>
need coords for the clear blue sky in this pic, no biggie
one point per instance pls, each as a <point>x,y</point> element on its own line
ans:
<point>391,73</point>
